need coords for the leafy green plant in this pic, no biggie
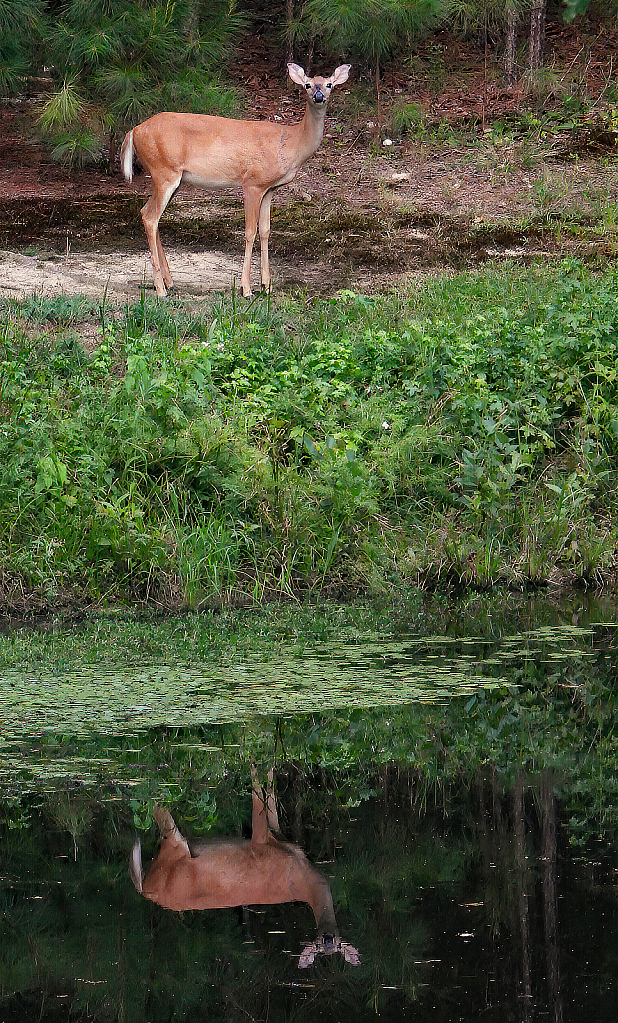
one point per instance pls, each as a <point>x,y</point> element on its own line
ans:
<point>405,117</point>
<point>466,431</point>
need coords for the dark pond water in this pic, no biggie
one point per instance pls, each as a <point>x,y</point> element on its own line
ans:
<point>451,771</point>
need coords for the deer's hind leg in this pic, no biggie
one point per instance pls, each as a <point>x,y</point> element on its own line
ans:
<point>162,192</point>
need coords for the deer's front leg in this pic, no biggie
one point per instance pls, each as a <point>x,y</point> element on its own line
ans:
<point>264,235</point>
<point>253,197</point>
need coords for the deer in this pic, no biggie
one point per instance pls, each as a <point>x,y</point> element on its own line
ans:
<point>220,152</point>
<point>228,872</point>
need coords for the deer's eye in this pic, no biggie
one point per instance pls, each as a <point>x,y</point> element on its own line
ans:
<point>308,85</point>
<point>328,85</point>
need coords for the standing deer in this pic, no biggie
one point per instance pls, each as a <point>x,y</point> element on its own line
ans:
<point>227,872</point>
<point>219,152</point>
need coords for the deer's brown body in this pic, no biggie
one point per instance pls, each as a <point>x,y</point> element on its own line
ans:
<point>222,873</point>
<point>219,152</point>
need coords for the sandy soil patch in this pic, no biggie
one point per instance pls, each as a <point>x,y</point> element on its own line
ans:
<point>122,275</point>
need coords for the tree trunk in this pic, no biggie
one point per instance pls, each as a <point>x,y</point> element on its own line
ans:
<point>112,152</point>
<point>309,60</point>
<point>510,50</point>
<point>289,14</point>
<point>537,34</point>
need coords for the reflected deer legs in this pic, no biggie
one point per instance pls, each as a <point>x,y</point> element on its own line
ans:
<point>264,816</point>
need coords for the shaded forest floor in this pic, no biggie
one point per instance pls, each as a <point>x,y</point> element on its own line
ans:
<point>452,170</point>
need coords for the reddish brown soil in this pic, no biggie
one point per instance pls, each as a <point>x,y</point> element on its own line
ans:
<point>439,183</point>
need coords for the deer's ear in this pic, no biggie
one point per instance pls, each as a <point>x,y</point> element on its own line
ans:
<point>350,954</point>
<point>340,74</point>
<point>307,957</point>
<point>297,74</point>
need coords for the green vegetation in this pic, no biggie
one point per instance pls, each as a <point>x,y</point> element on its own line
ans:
<point>463,433</point>
<point>114,64</point>
<point>21,30</point>
<point>103,65</point>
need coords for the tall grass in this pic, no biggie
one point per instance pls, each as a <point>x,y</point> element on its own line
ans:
<point>464,432</point>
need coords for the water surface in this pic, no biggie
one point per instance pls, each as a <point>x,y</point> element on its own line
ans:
<point>451,768</point>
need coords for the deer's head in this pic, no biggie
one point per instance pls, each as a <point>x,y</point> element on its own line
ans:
<point>318,89</point>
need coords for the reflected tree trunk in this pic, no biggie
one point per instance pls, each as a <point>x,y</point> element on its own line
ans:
<point>549,857</point>
<point>519,834</point>
<point>480,796</point>
<point>499,822</point>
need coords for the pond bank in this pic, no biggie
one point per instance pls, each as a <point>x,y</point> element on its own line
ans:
<point>459,434</point>
<point>96,244</point>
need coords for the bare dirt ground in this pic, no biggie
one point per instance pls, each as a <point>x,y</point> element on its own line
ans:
<point>113,273</point>
<point>364,212</point>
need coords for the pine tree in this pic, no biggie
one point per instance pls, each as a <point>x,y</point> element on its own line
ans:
<point>118,61</point>
<point>371,30</point>
<point>21,28</point>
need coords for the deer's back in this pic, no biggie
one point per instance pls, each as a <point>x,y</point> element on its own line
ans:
<point>231,872</point>
<point>213,151</point>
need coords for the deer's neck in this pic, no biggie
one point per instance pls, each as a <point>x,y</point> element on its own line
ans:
<point>323,910</point>
<point>310,131</point>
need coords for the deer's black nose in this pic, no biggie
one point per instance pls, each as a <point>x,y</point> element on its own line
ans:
<point>319,97</point>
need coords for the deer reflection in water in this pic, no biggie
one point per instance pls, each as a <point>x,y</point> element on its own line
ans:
<point>227,872</point>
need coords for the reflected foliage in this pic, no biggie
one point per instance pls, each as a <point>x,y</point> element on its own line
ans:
<point>445,890</point>
<point>451,831</point>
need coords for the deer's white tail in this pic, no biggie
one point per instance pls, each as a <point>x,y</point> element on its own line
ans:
<point>126,156</point>
<point>135,866</point>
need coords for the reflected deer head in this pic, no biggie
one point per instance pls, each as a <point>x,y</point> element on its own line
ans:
<point>328,944</point>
